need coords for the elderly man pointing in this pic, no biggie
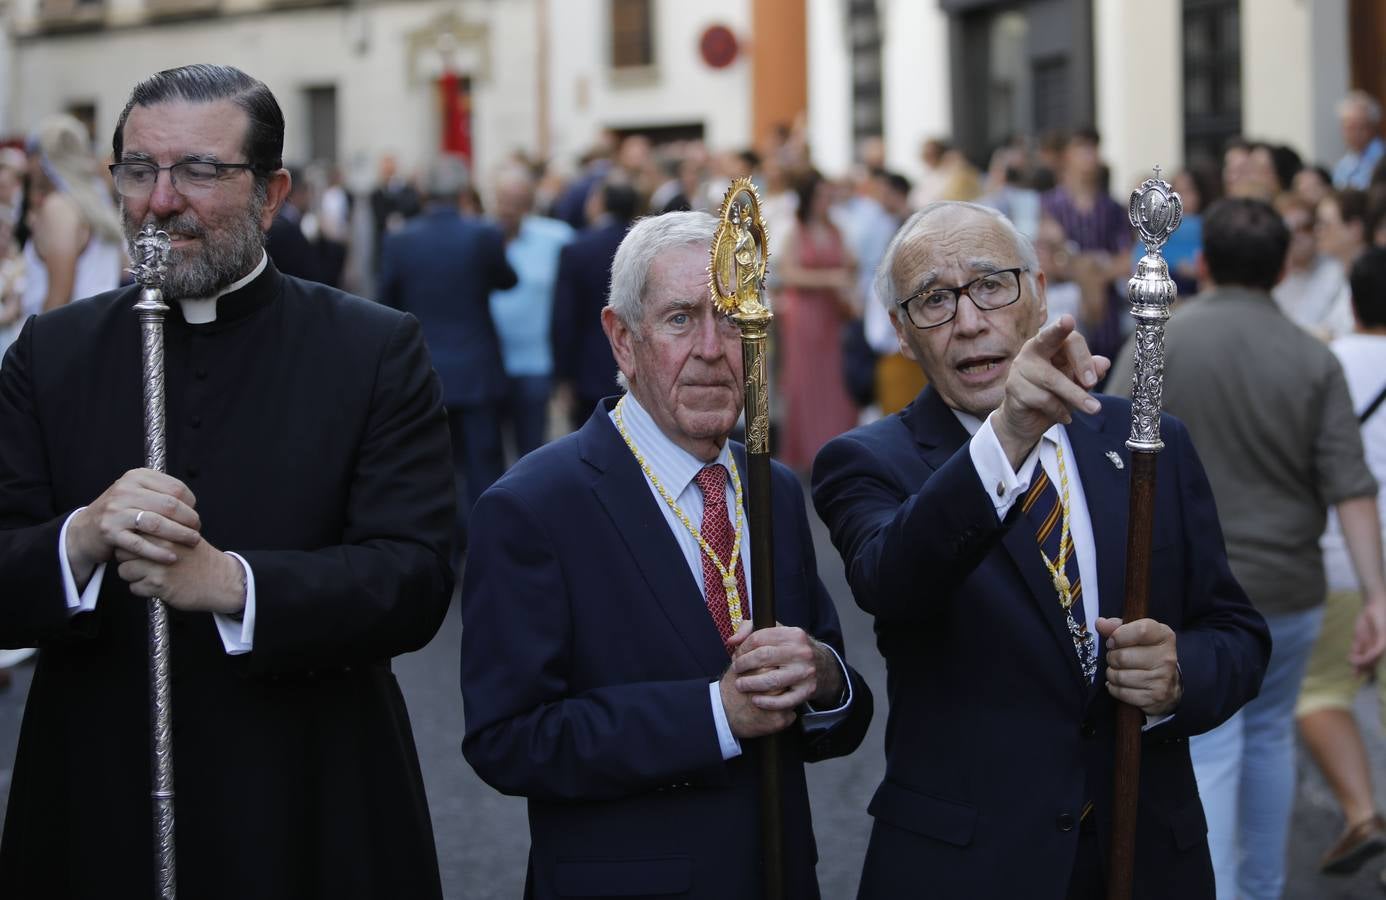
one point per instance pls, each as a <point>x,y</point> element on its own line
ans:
<point>984,527</point>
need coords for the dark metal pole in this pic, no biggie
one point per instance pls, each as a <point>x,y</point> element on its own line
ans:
<point>1155,212</point>
<point>753,342</point>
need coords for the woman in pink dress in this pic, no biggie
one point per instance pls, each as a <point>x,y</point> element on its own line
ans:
<point>816,277</point>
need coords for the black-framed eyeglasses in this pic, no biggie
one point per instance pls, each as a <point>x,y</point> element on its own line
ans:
<point>137,179</point>
<point>936,306</point>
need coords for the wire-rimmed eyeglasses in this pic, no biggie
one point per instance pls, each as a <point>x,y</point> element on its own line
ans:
<point>936,306</point>
<point>137,179</point>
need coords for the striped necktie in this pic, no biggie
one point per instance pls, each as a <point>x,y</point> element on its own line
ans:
<point>1044,511</point>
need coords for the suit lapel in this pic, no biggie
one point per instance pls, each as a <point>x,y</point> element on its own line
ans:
<point>621,489</point>
<point>940,435</point>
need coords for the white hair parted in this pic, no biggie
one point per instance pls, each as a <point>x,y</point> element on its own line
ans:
<point>1361,100</point>
<point>644,242</point>
<point>887,292</point>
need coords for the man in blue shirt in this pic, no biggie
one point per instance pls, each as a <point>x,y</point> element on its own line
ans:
<point>1359,115</point>
<point>523,313</point>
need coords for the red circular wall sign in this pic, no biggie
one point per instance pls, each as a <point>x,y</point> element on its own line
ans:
<point>718,46</point>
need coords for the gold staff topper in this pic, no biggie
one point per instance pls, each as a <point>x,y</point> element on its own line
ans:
<point>739,253</point>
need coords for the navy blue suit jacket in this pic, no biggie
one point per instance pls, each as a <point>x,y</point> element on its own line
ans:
<point>995,742</point>
<point>442,268</point>
<point>581,352</point>
<point>587,651</point>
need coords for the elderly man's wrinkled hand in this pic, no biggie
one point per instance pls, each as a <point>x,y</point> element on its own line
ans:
<point>1142,665</point>
<point>1050,376</point>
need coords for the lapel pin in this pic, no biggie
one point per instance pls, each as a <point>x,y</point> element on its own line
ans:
<point>1116,459</point>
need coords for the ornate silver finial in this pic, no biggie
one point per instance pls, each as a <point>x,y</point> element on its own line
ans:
<point>152,247</point>
<point>1156,211</point>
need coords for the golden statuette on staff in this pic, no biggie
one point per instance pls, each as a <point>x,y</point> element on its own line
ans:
<point>740,251</point>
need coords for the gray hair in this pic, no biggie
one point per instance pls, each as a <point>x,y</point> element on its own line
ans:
<point>642,245</point>
<point>884,286</point>
<point>1364,101</point>
<point>447,179</point>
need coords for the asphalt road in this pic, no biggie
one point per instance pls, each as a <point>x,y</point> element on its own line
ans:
<point>482,836</point>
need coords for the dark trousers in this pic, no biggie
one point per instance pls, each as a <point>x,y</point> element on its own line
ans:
<point>476,456</point>
<point>527,411</point>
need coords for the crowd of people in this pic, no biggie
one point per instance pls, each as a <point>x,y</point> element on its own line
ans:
<point>955,450</point>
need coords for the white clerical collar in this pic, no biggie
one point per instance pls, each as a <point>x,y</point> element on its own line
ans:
<point>974,424</point>
<point>201,310</point>
<point>674,466</point>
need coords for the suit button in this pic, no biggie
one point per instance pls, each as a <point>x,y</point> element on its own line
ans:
<point>201,374</point>
<point>195,421</point>
<point>1065,822</point>
<point>194,471</point>
<point>1088,730</point>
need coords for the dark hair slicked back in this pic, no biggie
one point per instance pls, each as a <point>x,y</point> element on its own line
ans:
<point>1244,243</point>
<point>205,83</point>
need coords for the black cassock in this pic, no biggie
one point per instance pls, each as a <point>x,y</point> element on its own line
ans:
<point>309,425</point>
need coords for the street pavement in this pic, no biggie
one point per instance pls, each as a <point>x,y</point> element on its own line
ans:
<point>482,836</point>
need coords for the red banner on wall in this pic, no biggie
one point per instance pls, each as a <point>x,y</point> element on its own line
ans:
<point>455,93</point>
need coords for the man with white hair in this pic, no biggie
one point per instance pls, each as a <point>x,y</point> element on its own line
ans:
<point>607,673</point>
<point>1359,116</point>
<point>984,527</point>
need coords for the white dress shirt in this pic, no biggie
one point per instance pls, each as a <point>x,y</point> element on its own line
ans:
<point>236,636</point>
<point>676,468</point>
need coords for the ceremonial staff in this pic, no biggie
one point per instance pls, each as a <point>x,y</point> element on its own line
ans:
<point>152,249</point>
<point>1155,212</point>
<point>739,253</point>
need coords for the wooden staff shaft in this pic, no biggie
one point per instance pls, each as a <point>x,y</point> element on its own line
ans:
<point>753,340</point>
<point>1126,787</point>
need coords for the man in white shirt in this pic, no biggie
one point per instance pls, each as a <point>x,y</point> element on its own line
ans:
<point>984,527</point>
<point>608,675</point>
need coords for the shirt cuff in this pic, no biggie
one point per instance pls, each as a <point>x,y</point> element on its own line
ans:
<point>1152,721</point>
<point>77,601</point>
<point>238,633</point>
<point>1003,485</point>
<point>817,720</point>
<point>731,747</point>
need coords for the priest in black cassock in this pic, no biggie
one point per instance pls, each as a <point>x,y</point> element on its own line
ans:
<point>300,537</point>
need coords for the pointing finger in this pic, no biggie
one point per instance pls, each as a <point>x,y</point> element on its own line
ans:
<point>1052,336</point>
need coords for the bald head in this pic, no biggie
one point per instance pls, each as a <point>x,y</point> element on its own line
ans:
<point>973,281</point>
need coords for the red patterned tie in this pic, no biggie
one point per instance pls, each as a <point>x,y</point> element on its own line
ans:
<point>717,531</point>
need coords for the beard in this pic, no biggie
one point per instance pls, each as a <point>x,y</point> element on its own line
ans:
<point>220,257</point>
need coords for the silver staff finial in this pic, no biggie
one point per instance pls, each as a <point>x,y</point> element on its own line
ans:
<point>152,248</point>
<point>1156,211</point>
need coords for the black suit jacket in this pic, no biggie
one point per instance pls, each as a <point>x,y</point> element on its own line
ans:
<point>587,651</point>
<point>308,424</point>
<point>995,742</point>
<point>581,352</point>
